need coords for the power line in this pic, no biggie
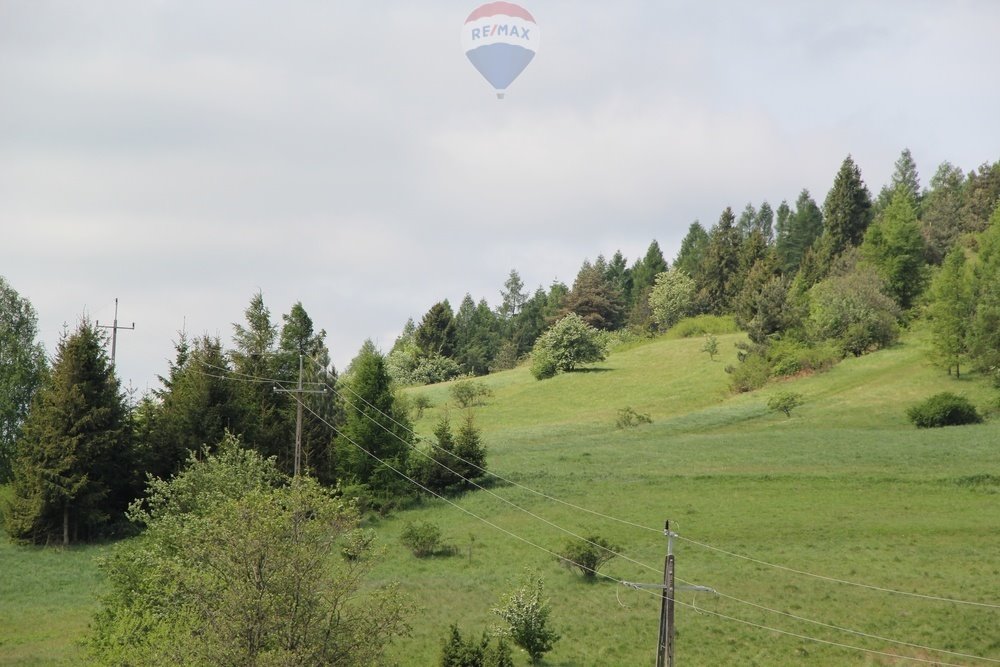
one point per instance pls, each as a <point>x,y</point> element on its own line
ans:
<point>620,582</point>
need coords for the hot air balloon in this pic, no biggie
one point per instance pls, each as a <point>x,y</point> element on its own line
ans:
<point>500,39</point>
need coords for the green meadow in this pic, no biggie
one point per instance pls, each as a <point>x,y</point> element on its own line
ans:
<point>845,488</point>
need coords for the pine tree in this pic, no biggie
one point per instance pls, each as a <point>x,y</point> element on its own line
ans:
<point>435,336</point>
<point>692,250</point>
<point>941,223</point>
<point>847,209</point>
<point>72,466</point>
<point>797,232</point>
<point>512,295</point>
<point>594,299</point>
<point>374,426</point>
<point>718,278</point>
<point>904,179</point>
<point>644,271</point>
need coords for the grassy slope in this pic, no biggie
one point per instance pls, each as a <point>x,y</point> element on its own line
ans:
<point>844,487</point>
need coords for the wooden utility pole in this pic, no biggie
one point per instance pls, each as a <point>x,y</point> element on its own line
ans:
<point>114,331</point>
<point>297,466</point>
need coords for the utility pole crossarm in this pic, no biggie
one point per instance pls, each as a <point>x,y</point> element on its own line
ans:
<point>298,414</point>
<point>114,331</point>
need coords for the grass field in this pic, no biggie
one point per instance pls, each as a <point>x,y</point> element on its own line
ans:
<point>845,488</point>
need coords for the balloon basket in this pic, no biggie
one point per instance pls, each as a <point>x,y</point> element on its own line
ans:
<point>500,96</point>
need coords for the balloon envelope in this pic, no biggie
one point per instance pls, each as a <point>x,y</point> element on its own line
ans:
<point>500,39</point>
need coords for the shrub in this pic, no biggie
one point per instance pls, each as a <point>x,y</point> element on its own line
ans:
<point>458,652</point>
<point>527,617</point>
<point>944,409</point>
<point>469,392</point>
<point>588,555</point>
<point>422,538</point>
<point>785,402</point>
<point>420,403</point>
<point>567,344</point>
<point>701,325</point>
<point>629,418</point>
<point>789,357</point>
<point>752,373</point>
<point>854,311</point>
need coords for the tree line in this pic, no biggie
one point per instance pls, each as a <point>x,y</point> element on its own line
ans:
<point>808,283</point>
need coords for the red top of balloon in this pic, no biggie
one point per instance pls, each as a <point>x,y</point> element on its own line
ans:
<point>505,8</point>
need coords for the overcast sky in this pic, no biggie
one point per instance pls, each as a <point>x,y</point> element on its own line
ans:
<point>181,155</point>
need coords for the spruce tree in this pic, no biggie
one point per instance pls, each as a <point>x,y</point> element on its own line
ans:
<point>692,250</point>
<point>435,336</point>
<point>595,299</point>
<point>718,278</point>
<point>73,465</point>
<point>893,244</point>
<point>847,209</point>
<point>941,222</point>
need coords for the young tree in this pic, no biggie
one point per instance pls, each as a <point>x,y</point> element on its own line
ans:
<point>435,336</point>
<point>894,246</point>
<point>375,425</point>
<point>73,465</point>
<point>239,566</point>
<point>569,343</point>
<point>619,276</point>
<point>984,330</point>
<point>22,368</point>
<point>477,336</point>
<point>853,310</point>
<point>671,297</point>
<point>527,618</point>
<point>847,209</point>
<point>951,311</point>
<point>904,179</point>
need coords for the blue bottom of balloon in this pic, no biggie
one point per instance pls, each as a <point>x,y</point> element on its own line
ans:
<point>500,63</point>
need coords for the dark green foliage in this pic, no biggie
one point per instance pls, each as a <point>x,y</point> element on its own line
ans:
<point>588,555</point>
<point>785,402</point>
<point>199,401</point>
<point>847,209</point>
<point>456,463</point>
<point>265,424</point>
<point>569,343</point>
<point>645,270</point>
<point>22,369</point>
<point>789,356</point>
<point>718,278</point>
<point>797,232</point>
<point>423,538</point>
<point>374,426</point>
<point>468,393</point>
<point>237,565</point>
<point>477,335</point>
<point>692,250</point>
<point>436,333</point>
<point>753,372</point>
<point>893,244</point>
<point>458,652</point>
<point>944,409</point>
<point>629,418</point>
<point>74,469</point>
<point>595,299</point>
<point>763,308</point>
<point>619,276</point>
<point>980,197</point>
<point>941,219</point>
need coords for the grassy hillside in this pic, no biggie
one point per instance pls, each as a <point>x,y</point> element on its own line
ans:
<point>845,488</point>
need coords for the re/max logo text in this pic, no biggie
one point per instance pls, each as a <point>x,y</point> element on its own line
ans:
<point>500,30</point>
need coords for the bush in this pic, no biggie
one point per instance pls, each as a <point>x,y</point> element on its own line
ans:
<point>945,409</point>
<point>629,418</point>
<point>854,311</point>
<point>701,325</point>
<point>458,652</point>
<point>752,373</point>
<point>588,555</point>
<point>422,538</point>
<point>420,403</point>
<point>469,392</point>
<point>785,402</point>
<point>567,344</point>
<point>789,357</point>
<point>527,617</point>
